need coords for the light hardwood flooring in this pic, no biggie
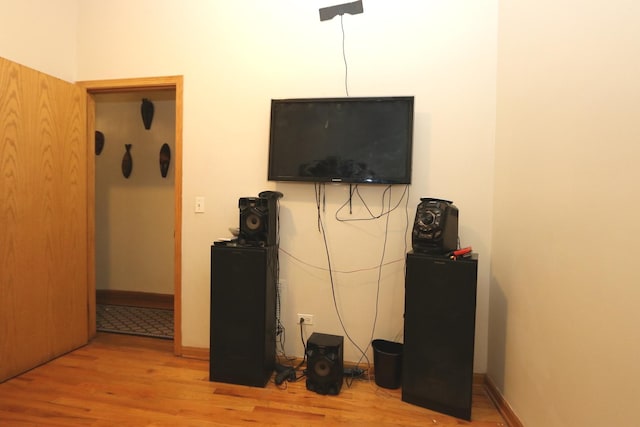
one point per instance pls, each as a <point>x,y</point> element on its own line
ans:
<point>120,380</point>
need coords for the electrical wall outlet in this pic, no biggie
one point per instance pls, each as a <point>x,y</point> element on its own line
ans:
<point>308,318</point>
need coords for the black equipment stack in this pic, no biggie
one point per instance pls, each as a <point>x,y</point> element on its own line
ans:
<point>244,274</point>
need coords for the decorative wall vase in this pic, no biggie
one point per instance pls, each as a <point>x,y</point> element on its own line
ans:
<point>165,159</point>
<point>146,109</point>
<point>99,142</point>
<point>127,161</point>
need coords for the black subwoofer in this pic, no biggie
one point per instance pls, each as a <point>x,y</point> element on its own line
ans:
<point>243,314</point>
<point>435,229</point>
<point>325,368</point>
<point>439,333</point>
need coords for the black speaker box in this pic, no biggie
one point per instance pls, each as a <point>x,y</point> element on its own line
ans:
<point>439,333</point>
<point>258,221</point>
<point>435,229</point>
<point>325,365</point>
<point>243,314</point>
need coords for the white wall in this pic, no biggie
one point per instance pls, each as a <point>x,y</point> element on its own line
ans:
<point>135,215</point>
<point>235,57</point>
<point>564,341</point>
<point>41,35</point>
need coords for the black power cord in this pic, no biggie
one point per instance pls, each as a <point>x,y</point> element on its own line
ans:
<point>288,373</point>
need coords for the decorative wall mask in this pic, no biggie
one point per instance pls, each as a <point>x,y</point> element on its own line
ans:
<point>127,161</point>
<point>165,159</point>
<point>147,109</point>
<point>99,142</point>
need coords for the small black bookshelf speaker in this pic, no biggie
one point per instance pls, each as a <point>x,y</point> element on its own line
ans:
<point>325,368</point>
<point>435,229</point>
<point>259,219</point>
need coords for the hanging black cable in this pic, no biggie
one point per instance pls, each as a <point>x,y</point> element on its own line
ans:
<point>333,289</point>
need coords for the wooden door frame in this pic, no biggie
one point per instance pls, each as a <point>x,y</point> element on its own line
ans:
<point>137,85</point>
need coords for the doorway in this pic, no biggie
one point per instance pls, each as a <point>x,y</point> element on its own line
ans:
<point>165,90</point>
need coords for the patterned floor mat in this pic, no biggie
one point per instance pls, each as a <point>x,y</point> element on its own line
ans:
<point>148,322</point>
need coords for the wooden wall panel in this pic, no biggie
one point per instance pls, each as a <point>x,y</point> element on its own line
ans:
<point>43,218</point>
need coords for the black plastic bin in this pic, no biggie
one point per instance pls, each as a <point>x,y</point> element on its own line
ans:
<point>387,362</point>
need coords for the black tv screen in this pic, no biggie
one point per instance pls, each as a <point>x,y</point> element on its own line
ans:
<point>351,140</point>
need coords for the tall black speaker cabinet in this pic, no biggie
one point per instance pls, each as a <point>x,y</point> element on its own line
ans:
<point>243,314</point>
<point>439,330</point>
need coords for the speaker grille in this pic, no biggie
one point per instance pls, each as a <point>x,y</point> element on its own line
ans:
<point>253,221</point>
<point>258,221</point>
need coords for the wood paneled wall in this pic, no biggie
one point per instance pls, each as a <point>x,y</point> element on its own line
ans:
<point>43,218</point>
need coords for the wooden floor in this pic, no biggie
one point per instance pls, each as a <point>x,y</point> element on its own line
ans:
<point>120,380</point>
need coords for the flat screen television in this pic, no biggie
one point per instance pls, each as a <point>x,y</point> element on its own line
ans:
<point>351,140</point>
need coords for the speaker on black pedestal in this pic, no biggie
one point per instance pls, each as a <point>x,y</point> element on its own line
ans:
<point>325,368</point>
<point>435,229</point>
<point>259,219</point>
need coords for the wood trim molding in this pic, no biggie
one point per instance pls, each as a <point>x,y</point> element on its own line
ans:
<point>134,299</point>
<point>198,353</point>
<point>91,217</point>
<point>478,379</point>
<point>137,85</point>
<point>178,84</point>
<point>129,85</point>
<point>501,403</point>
